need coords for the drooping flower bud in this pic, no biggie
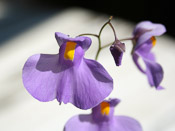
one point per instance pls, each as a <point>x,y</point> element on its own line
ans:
<point>117,49</point>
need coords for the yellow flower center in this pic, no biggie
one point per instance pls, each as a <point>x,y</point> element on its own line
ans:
<point>153,39</point>
<point>105,108</point>
<point>70,50</point>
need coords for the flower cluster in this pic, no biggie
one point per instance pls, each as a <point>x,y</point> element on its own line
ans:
<point>71,78</point>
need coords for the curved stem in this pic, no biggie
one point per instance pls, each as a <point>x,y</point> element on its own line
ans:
<point>106,45</point>
<point>89,34</point>
<point>130,38</point>
<point>103,27</point>
<point>115,36</point>
<point>99,37</point>
<point>99,48</point>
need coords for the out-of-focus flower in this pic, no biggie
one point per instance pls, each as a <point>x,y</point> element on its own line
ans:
<point>117,49</point>
<point>144,39</point>
<point>103,119</point>
<point>67,76</point>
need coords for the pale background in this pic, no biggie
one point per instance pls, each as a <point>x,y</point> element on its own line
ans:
<point>19,111</point>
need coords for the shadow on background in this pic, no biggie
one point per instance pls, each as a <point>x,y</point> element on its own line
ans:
<point>23,14</point>
<point>18,18</point>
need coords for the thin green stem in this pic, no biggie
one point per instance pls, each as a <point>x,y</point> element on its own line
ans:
<point>130,38</point>
<point>89,34</point>
<point>106,45</point>
<point>99,37</point>
<point>115,36</point>
<point>103,27</point>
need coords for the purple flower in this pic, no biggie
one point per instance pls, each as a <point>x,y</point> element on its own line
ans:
<point>103,119</point>
<point>117,49</point>
<point>67,76</point>
<point>144,39</point>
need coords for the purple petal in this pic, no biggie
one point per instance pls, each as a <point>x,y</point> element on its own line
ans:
<point>124,123</point>
<point>146,29</point>
<point>83,41</point>
<point>89,78</point>
<point>148,25</point>
<point>160,88</point>
<point>81,123</point>
<point>144,51</point>
<point>46,79</point>
<point>154,73</point>
<point>99,72</point>
<point>61,38</point>
<point>135,57</point>
<point>40,69</point>
<point>113,102</point>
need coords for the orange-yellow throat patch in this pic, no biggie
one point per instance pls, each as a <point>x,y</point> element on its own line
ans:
<point>70,50</point>
<point>153,39</point>
<point>105,108</point>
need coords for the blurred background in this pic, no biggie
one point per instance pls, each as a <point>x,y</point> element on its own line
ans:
<point>18,15</point>
<point>27,27</point>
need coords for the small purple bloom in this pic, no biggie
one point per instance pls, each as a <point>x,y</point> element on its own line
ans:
<point>144,39</point>
<point>117,49</point>
<point>103,119</point>
<point>67,76</point>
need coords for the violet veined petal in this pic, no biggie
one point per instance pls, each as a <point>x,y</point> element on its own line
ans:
<point>89,78</point>
<point>124,123</point>
<point>39,69</point>
<point>45,80</point>
<point>99,72</point>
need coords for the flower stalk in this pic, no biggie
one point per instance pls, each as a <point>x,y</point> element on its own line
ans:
<point>98,36</point>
